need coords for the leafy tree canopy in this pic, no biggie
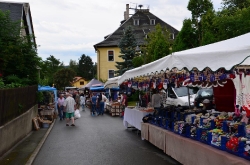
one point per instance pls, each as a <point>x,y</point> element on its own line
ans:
<point>85,67</point>
<point>127,46</point>
<point>157,44</point>
<point>18,54</point>
<point>64,77</point>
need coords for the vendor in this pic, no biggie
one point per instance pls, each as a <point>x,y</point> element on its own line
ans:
<point>156,101</point>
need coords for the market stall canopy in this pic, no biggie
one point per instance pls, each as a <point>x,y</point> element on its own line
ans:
<point>94,83</point>
<point>112,83</point>
<point>48,88</point>
<point>226,54</point>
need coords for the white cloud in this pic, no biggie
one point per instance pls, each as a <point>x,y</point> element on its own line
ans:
<point>69,28</point>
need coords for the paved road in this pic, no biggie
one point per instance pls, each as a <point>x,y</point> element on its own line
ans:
<point>101,140</point>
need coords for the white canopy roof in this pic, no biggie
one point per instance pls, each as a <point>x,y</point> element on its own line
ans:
<point>227,54</point>
<point>112,82</point>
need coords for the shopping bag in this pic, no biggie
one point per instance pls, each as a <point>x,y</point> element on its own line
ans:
<point>77,114</point>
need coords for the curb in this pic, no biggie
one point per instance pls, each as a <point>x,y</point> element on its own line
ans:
<point>39,146</point>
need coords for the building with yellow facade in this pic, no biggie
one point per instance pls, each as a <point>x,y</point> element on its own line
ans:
<point>79,82</point>
<point>142,21</point>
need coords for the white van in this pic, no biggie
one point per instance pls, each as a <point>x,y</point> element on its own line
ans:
<point>179,97</point>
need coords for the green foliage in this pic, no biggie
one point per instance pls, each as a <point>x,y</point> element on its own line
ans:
<point>127,46</point>
<point>17,53</point>
<point>74,65</point>
<point>233,5</point>
<point>49,67</point>
<point>186,38</point>
<point>138,61</point>
<point>64,77</point>
<point>13,79</point>
<point>134,96</point>
<point>208,26</point>
<point>157,44</point>
<point>86,69</point>
<point>39,96</point>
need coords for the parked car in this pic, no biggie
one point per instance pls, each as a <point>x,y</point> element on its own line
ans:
<point>201,95</point>
<point>179,97</point>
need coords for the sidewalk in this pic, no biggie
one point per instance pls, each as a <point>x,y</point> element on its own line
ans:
<point>26,150</point>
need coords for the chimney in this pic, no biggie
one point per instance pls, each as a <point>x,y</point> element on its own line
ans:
<point>127,11</point>
<point>125,15</point>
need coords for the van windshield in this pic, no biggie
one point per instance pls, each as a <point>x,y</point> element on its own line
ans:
<point>183,91</point>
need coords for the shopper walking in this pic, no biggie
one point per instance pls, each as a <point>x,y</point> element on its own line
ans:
<point>69,105</point>
<point>82,101</point>
<point>102,102</point>
<point>60,102</point>
<point>94,102</point>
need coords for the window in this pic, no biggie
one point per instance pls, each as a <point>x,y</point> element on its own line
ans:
<point>111,73</point>
<point>152,21</point>
<point>136,22</point>
<point>171,36</point>
<point>110,55</point>
<point>81,82</point>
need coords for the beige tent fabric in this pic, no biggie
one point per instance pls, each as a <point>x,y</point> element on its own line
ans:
<point>156,136</point>
<point>188,151</point>
<point>144,131</point>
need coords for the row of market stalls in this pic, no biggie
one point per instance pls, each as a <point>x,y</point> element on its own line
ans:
<point>223,66</point>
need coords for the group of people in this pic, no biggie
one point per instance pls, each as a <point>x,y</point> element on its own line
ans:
<point>98,100</point>
<point>67,104</point>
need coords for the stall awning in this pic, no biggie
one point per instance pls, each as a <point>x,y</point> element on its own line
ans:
<point>112,82</point>
<point>227,54</point>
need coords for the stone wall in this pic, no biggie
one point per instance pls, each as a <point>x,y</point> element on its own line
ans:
<point>15,130</point>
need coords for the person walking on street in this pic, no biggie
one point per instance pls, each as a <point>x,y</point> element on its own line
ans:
<point>69,106</point>
<point>98,105</point>
<point>82,101</point>
<point>60,107</point>
<point>102,102</point>
<point>94,102</point>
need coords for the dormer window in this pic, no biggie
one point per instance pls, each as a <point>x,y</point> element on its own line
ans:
<point>136,22</point>
<point>152,21</point>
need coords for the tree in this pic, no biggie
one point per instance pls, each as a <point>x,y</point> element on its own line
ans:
<point>18,54</point>
<point>198,8</point>
<point>209,28</point>
<point>127,46</point>
<point>74,66</point>
<point>157,44</point>
<point>50,66</point>
<point>86,69</point>
<point>186,38</point>
<point>233,5</point>
<point>64,77</point>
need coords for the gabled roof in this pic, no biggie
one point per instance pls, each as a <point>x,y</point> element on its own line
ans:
<point>77,79</point>
<point>141,30</point>
<point>20,11</point>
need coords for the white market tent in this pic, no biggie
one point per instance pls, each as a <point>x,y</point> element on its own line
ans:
<point>112,82</point>
<point>227,54</point>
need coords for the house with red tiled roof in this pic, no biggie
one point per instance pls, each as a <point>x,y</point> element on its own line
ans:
<point>79,82</point>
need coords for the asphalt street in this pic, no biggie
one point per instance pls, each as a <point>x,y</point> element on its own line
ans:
<point>99,140</point>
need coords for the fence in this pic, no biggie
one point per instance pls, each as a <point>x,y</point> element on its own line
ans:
<point>16,101</point>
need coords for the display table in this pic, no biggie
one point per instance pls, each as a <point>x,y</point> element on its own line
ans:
<point>188,151</point>
<point>115,109</point>
<point>49,113</point>
<point>134,117</point>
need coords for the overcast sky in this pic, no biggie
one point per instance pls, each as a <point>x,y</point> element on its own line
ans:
<point>69,28</point>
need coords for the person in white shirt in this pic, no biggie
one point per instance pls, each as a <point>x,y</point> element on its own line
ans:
<point>82,101</point>
<point>60,106</point>
<point>69,106</point>
<point>102,102</point>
